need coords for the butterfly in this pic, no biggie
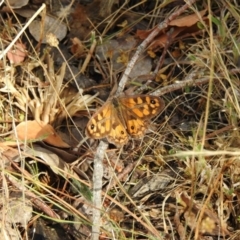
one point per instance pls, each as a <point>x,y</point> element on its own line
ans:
<point>124,116</point>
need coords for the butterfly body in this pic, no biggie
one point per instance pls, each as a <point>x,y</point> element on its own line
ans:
<point>124,116</point>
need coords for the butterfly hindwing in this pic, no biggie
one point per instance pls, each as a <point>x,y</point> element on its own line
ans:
<point>118,134</point>
<point>138,110</point>
<point>143,106</point>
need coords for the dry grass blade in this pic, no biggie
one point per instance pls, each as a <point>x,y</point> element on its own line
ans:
<point>175,173</point>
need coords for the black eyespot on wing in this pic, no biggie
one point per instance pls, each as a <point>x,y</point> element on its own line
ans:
<point>153,101</point>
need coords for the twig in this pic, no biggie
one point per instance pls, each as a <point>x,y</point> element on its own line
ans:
<point>4,52</point>
<point>97,188</point>
<point>180,85</point>
<point>146,42</point>
<point>89,56</point>
<point>179,226</point>
<point>98,168</point>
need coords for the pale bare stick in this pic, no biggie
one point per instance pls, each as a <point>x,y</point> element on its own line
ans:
<point>100,152</point>
<point>97,189</point>
<point>179,85</point>
<point>4,52</point>
<point>146,42</point>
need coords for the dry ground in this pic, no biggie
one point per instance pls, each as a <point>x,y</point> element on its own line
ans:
<point>59,62</point>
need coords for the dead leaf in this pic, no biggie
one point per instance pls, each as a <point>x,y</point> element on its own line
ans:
<point>18,210</point>
<point>116,215</point>
<point>119,51</point>
<point>39,131</point>
<point>67,157</point>
<point>148,185</point>
<point>189,20</point>
<point>80,26</point>
<point>123,24</point>
<point>51,25</point>
<point>182,27</point>
<point>25,12</point>
<point>77,48</point>
<point>9,153</point>
<point>17,54</point>
<point>54,162</point>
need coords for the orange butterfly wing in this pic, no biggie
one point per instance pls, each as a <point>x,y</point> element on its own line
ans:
<point>138,110</point>
<point>106,123</point>
<point>123,116</point>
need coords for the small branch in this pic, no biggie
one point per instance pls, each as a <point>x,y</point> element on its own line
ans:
<point>4,52</point>
<point>89,56</point>
<point>98,167</point>
<point>97,189</point>
<point>179,85</point>
<point>146,42</point>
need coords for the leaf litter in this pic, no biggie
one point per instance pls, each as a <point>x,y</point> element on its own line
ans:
<point>181,180</point>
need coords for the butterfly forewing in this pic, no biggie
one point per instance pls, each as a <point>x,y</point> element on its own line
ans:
<point>99,126</point>
<point>105,123</point>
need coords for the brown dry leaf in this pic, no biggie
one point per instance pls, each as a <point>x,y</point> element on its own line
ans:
<point>119,51</point>
<point>123,58</point>
<point>151,184</point>
<point>186,24</point>
<point>8,153</point>
<point>116,215</point>
<point>55,139</point>
<point>17,54</point>
<point>77,48</point>
<point>151,54</point>
<point>162,39</point>
<point>52,159</point>
<point>25,12</point>
<point>15,210</point>
<point>188,21</point>
<point>123,24</point>
<point>67,157</point>
<point>38,131</point>
<point>18,211</point>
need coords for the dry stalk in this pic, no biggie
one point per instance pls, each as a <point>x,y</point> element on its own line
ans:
<point>100,152</point>
<point>4,52</point>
